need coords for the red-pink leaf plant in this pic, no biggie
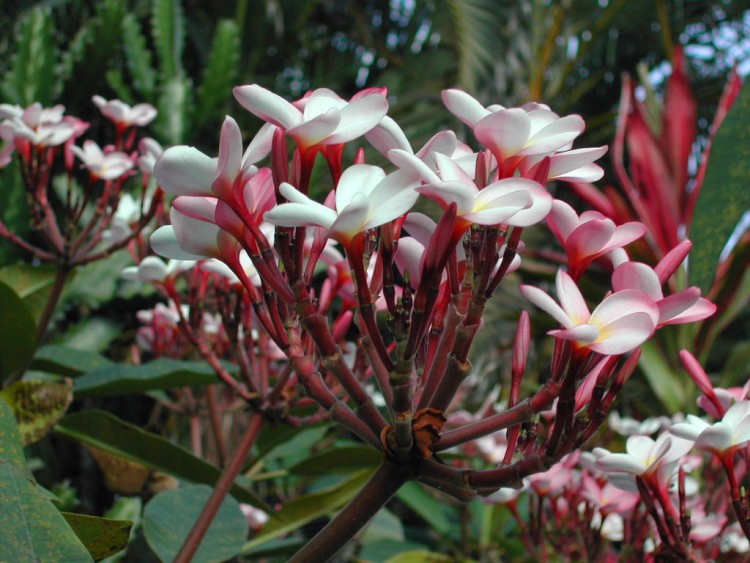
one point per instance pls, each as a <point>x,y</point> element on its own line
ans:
<point>356,289</point>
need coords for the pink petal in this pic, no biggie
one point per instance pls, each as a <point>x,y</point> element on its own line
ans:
<point>407,160</point>
<point>635,275</point>
<point>584,333</point>
<point>358,117</point>
<point>464,106</point>
<point>546,304</point>
<point>351,220</point>
<point>359,178</point>
<point>316,130</point>
<point>554,136</point>
<point>268,106</point>
<point>446,193</point>
<point>392,197</point>
<point>620,462</point>
<point>185,171</point>
<point>505,132</point>
<point>562,220</point>
<point>564,163</point>
<point>571,299</point>
<point>387,135</point>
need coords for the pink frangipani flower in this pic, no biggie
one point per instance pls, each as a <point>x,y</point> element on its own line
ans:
<point>623,321</point>
<point>102,165</point>
<point>123,115</point>
<point>154,269</point>
<point>686,306</point>
<point>365,198</point>
<point>589,236</point>
<point>722,437</point>
<point>320,118</point>
<point>650,459</point>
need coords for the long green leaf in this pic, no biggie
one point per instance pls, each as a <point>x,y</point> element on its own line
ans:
<point>170,516</point>
<point>163,373</point>
<point>305,509</point>
<point>724,196</point>
<point>431,510</point>
<point>33,529</point>
<point>32,284</point>
<point>168,24</point>
<point>17,333</point>
<point>338,460</point>
<point>665,384</point>
<point>220,73</point>
<point>101,536</point>
<point>32,76</point>
<point>138,57</point>
<point>107,432</point>
<point>69,362</point>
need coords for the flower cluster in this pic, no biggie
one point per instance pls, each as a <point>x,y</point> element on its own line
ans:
<point>89,221</point>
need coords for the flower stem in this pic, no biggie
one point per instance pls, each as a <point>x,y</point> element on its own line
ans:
<point>194,538</point>
<point>384,483</point>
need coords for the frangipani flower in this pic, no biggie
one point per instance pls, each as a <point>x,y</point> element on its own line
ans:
<point>686,306</point>
<point>589,236</point>
<point>365,198</point>
<point>528,134</point>
<point>150,151</point>
<point>42,127</point>
<point>154,269</point>
<point>722,437</point>
<point>232,177</point>
<point>320,118</point>
<point>518,202</point>
<point>650,459</point>
<point>123,115</point>
<point>623,321</point>
<point>101,165</point>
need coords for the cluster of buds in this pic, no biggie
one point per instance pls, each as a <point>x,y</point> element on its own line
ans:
<point>80,224</point>
<point>430,279</point>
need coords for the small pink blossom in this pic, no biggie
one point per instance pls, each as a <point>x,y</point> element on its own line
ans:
<point>154,269</point>
<point>102,165</point>
<point>686,306</point>
<point>364,198</point>
<point>722,437</point>
<point>620,323</point>
<point>124,115</point>
<point>589,236</point>
<point>319,118</point>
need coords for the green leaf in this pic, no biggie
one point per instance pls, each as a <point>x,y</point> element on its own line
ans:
<point>220,73</point>
<point>168,24</point>
<point>163,373</point>
<point>170,516</point>
<point>724,196</point>
<point>172,120</point>
<point>138,57</point>
<point>33,529</point>
<point>435,513</point>
<point>38,406</point>
<point>31,283</point>
<point>32,76</point>
<point>71,58</point>
<point>385,526</point>
<point>63,360</point>
<point>302,510</point>
<point>107,432</point>
<point>338,460</point>
<point>666,385</point>
<point>421,556</point>
<point>101,536</point>
<point>17,333</point>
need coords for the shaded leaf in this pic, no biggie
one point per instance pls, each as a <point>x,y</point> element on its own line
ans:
<point>666,385</point>
<point>724,196</point>
<point>37,406</point>
<point>164,373</point>
<point>17,333</point>
<point>168,24</point>
<point>31,283</point>
<point>33,529</point>
<point>307,508</point>
<point>338,460</point>
<point>62,360</point>
<point>220,73</point>
<point>120,475</point>
<point>431,510</point>
<point>138,57</point>
<point>172,121</point>
<point>385,526</point>
<point>420,556</point>
<point>107,432</point>
<point>101,536</point>
<point>170,516</point>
